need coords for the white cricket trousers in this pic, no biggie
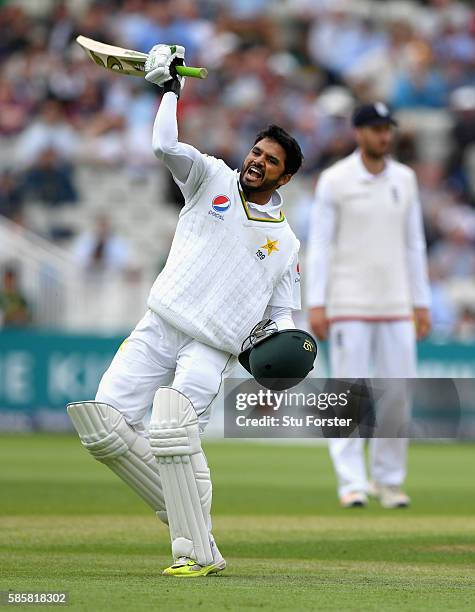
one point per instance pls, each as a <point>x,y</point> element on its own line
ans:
<point>157,354</point>
<point>361,349</point>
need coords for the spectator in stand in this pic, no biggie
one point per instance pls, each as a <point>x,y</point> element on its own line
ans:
<point>94,21</point>
<point>462,103</point>
<point>14,109</point>
<point>443,309</point>
<point>14,309</point>
<point>101,250</point>
<point>88,104</point>
<point>130,23</point>
<point>373,77</point>
<point>15,28</point>
<point>338,40</point>
<point>465,330</point>
<point>50,131</point>
<point>455,42</point>
<point>454,256</point>
<point>421,86</point>
<point>45,151</point>
<point>11,195</point>
<point>61,27</point>
<point>163,22</point>
<point>50,180</point>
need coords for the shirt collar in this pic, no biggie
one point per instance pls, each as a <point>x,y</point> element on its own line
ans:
<point>272,208</point>
<point>364,174</point>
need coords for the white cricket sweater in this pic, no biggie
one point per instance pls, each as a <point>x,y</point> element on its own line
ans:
<point>211,287</point>
<point>366,251</point>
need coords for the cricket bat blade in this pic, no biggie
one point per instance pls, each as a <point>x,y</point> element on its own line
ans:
<point>127,61</point>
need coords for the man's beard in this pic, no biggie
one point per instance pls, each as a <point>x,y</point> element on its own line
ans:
<point>264,186</point>
<point>247,188</point>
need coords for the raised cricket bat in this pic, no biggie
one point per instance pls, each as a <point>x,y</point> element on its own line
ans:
<point>127,61</point>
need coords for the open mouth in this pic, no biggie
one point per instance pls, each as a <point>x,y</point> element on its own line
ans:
<point>254,173</point>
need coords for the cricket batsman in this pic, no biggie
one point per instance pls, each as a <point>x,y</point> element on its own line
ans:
<point>232,263</point>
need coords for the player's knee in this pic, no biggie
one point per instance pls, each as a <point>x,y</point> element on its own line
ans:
<point>102,429</point>
<point>174,427</point>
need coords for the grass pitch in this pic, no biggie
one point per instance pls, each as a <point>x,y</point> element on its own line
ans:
<point>68,523</point>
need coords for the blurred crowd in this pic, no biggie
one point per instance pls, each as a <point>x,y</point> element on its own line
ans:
<point>300,63</point>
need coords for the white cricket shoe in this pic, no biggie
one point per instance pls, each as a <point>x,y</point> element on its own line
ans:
<point>354,499</point>
<point>390,496</point>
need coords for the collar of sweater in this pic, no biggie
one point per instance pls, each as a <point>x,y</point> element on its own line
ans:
<point>272,207</point>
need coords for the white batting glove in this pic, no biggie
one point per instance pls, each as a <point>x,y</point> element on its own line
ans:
<point>161,62</point>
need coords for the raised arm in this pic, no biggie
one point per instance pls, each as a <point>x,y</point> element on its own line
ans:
<point>180,158</point>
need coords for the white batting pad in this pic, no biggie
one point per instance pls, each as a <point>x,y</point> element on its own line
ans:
<point>175,442</point>
<point>106,435</point>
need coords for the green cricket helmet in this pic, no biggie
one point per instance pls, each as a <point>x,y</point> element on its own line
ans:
<point>277,359</point>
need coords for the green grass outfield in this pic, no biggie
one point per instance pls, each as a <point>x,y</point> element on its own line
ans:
<point>68,523</point>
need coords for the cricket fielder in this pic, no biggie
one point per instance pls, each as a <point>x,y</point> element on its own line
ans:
<point>233,262</point>
<point>368,290</point>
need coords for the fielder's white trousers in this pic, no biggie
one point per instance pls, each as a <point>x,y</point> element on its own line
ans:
<point>360,349</point>
<point>157,354</point>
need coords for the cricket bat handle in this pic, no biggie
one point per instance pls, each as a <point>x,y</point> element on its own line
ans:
<point>188,71</point>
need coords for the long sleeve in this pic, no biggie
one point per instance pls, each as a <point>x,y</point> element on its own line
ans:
<point>321,233</point>
<point>416,254</point>
<point>180,158</point>
<point>282,316</point>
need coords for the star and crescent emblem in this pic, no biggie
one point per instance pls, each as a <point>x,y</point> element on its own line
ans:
<point>270,246</point>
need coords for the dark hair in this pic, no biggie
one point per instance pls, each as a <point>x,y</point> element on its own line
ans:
<point>293,153</point>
